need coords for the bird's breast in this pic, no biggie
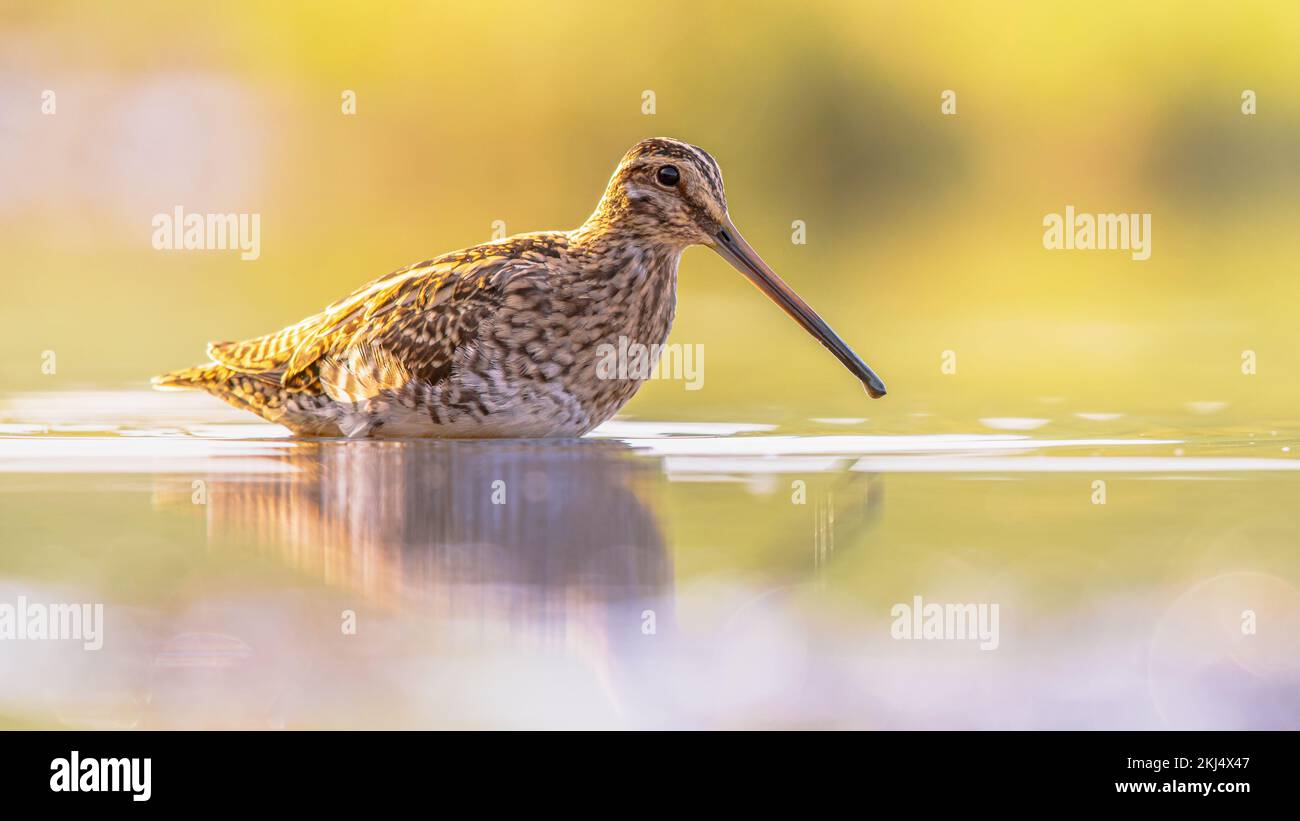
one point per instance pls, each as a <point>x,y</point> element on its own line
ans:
<point>625,323</point>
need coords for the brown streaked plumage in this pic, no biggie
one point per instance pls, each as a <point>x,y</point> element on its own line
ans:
<point>502,339</point>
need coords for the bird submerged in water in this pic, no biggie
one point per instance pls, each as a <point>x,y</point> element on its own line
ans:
<point>502,339</point>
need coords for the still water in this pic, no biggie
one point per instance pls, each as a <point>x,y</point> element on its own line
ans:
<point>722,575</point>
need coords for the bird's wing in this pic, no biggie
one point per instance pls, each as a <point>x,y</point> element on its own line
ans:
<point>408,323</point>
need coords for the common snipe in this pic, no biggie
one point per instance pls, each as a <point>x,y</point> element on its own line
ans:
<point>501,339</point>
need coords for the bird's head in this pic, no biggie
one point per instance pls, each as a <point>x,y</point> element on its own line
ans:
<point>670,193</point>
<point>666,191</point>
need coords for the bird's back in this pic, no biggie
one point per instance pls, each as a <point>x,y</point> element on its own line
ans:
<point>415,317</point>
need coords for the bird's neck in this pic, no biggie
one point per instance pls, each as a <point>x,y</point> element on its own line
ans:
<point>616,227</point>
<point>628,259</point>
<point>629,252</point>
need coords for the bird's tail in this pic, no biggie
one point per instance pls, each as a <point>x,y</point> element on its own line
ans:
<point>244,391</point>
<point>200,377</point>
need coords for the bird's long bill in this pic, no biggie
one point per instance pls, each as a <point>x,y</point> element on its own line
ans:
<point>733,248</point>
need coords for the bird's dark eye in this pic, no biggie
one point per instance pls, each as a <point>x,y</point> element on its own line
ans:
<point>668,176</point>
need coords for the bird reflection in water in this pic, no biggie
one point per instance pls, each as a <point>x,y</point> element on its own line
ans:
<point>537,529</point>
<point>463,548</point>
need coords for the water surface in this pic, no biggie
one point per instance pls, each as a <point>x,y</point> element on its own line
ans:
<point>655,574</point>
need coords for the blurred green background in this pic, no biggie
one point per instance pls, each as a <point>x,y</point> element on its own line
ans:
<point>924,231</point>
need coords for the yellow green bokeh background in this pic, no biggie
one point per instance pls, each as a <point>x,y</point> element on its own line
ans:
<point>924,232</point>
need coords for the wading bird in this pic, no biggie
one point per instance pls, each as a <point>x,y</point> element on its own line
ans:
<point>501,339</point>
